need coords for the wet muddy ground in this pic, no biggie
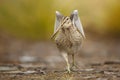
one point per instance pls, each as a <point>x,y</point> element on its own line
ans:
<point>105,71</point>
<point>97,60</point>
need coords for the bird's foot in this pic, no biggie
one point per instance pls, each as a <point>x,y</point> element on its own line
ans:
<point>64,71</point>
<point>74,68</point>
<point>68,70</point>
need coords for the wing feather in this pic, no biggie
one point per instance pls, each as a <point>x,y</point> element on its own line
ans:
<point>76,21</point>
<point>58,19</point>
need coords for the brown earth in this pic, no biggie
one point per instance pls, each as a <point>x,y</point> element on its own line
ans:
<point>29,60</point>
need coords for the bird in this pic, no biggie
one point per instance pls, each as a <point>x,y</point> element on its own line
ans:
<point>68,36</point>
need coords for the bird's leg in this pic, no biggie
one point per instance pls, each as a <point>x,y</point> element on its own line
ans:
<point>74,66</point>
<point>65,55</point>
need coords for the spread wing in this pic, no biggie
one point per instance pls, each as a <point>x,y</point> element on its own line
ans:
<point>76,21</point>
<point>58,19</point>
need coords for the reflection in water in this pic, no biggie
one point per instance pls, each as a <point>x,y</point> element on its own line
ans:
<point>67,77</point>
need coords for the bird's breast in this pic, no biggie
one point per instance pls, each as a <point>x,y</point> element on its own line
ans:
<point>68,38</point>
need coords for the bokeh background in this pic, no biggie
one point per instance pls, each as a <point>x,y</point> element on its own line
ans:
<point>27,25</point>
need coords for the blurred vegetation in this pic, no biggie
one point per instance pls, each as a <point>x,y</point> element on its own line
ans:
<point>34,19</point>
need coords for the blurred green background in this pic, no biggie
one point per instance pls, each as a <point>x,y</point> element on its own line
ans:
<point>34,19</point>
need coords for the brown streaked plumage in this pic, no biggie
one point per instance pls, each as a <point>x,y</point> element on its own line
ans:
<point>68,34</point>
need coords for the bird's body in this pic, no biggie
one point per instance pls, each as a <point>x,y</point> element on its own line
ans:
<point>68,35</point>
<point>68,39</point>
